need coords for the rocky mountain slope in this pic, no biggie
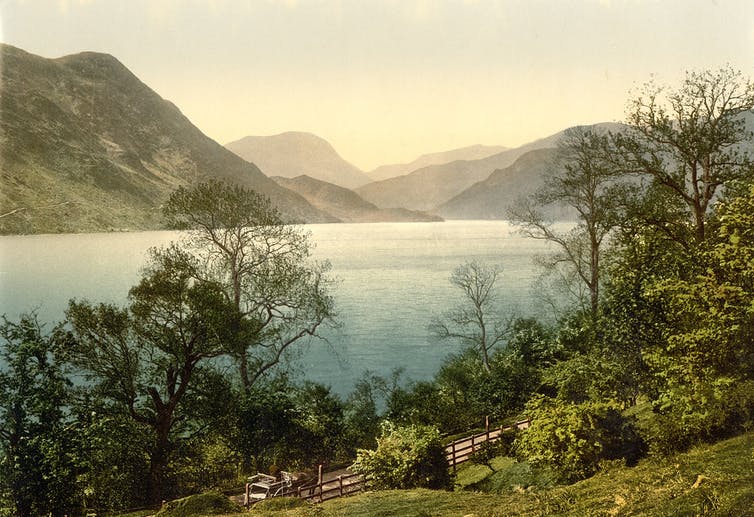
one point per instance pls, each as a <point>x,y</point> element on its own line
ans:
<point>473,152</point>
<point>346,205</point>
<point>86,146</point>
<point>295,154</point>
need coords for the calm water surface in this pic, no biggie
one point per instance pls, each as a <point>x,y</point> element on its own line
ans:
<point>392,280</point>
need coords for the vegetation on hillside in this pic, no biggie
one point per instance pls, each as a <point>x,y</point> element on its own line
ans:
<point>652,355</point>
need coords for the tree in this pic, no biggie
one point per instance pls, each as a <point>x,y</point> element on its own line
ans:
<point>475,323</point>
<point>689,142</point>
<point>260,264</point>
<point>706,360</point>
<point>145,358</point>
<point>585,181</point>
<point>37,466</point>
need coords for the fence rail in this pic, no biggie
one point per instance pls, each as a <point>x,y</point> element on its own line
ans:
<point>461,450</point>
<point>343,485</point>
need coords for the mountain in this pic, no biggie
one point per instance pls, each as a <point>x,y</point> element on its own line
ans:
<point>473,152</point>
<point>346,205</point>
<point>86,146</point>
<point>430,187</point>
<point>491,198</point>
<point>295,154</point>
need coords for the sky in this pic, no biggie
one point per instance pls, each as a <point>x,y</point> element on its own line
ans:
<point>387,80</point>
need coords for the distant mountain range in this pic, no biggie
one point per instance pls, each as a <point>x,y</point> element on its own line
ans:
<point>430,187</point>
<point>295,154</point>
<point>346,204</point>
<point>473,152</point>
<point>86,146</point>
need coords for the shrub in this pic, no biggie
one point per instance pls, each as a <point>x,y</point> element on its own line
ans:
<point>406,457</point>
<point>571,439</point>
<point>210,503</point>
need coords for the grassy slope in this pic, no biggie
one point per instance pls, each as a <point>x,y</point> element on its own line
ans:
<point>670,486</point>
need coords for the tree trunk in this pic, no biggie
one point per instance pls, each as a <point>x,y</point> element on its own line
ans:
<point>159,459</point>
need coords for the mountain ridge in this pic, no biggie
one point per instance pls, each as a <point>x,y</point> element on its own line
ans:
<point>430,187</point>
<point>87,146</point>
<point>471,152</point>
<point>346,204</point>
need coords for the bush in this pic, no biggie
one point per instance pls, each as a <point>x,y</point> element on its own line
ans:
<point>571,439</point>
<point>686,415</point>
<point>211,503</point>
<point>406,457</point>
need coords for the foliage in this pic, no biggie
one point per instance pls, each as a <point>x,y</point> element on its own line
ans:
<point>144,359</point>
<point>705,360</point>
<point>210,503</point>
<point>37,463</point>
<point>571,439</point>
<point>405,457</point>
<point>687,141</point>
<point>114,458</point>
<point>261,266</point>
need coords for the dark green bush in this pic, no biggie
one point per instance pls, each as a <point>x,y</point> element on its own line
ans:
<point>210,503</point>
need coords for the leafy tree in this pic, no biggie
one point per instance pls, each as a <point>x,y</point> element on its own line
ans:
<point>320,414</point>
<point>405,457</point>
<point>37,466</point>
<point>260,264</point>
<point>361,417</point>
<point>688,141</point>
<point>113,456</point>
<point>585,181</point>
<point>145,358</point>
<point>475,323</point>
<point>706,355</point>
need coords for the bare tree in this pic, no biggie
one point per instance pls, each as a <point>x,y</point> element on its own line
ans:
<point>474,323</point>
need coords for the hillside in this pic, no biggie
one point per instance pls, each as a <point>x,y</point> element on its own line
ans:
<point>86,146</point>
<point>490,198</point>
<point>346,205</point>
<point>295,154</point>
<point>472,152</point>
<point>432,186</point>
<point>708,480</point>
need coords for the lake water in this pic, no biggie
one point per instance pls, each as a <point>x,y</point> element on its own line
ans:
<point>393,278</point>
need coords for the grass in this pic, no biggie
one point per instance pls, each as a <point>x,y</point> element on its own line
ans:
<point>713,480</point>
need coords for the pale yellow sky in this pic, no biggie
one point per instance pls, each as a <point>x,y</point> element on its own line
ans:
<point>385,81</point>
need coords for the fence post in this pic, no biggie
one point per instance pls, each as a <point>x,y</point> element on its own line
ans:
<point>453,452</point>
<point>487,427</point>
<point>340,483</point>
<point>472,444</point>
<point>320,477</point>
<point>246,495</point>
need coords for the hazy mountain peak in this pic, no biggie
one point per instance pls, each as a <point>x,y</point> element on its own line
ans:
<point>296,153</point>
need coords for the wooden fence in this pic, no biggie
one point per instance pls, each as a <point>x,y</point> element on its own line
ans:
<point>342,486</point>
<point>329,487</point>
<point>461,450</point>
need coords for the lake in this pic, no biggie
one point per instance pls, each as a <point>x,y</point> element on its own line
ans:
<point>393,278</point>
